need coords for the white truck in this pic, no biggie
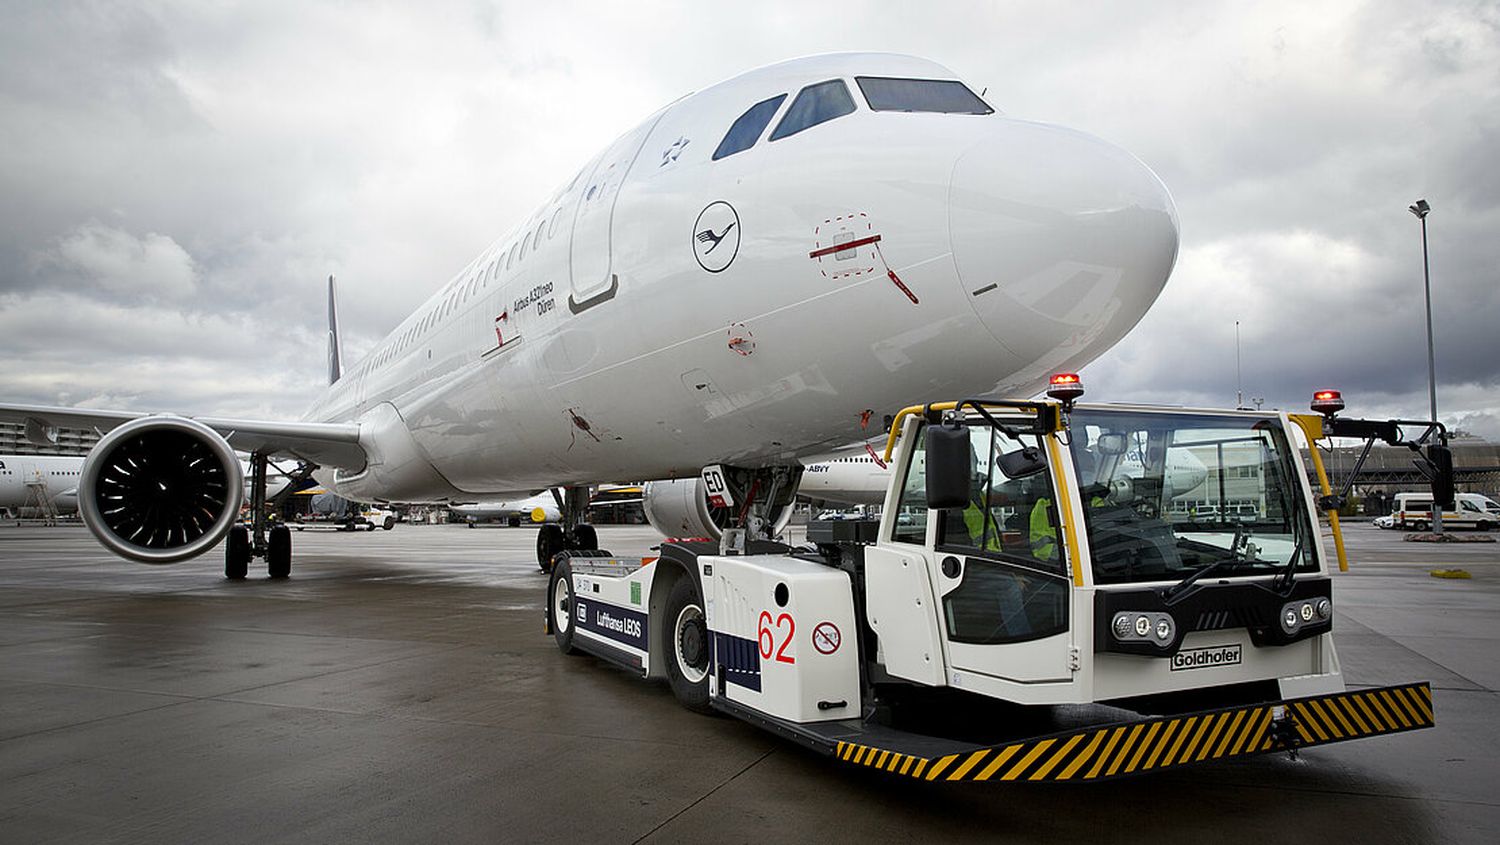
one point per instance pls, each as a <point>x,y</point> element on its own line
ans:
<point>1036,572</point>
<point>1414,510</point>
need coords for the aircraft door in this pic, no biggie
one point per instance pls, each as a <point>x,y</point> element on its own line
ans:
<point>593,279</point>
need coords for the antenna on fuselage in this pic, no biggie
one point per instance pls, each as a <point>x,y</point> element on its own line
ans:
<point>335,351</point>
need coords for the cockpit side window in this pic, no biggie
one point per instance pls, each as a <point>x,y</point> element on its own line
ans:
<point>815,104</point>
<point>746,129</point>
<point>947,96</point>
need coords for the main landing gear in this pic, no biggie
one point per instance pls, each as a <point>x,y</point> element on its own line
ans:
<point>573,535</point>
<point>272,542</point>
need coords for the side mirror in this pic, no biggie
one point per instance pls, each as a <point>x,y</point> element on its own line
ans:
<point>1023,463</point>
<point>1111,444</point>
<point>1442,476</point>
<point>948,466</point>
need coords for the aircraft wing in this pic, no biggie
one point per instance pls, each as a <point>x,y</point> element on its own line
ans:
<point>325,444</point>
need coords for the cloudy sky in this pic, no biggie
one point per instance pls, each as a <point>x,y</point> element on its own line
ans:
<point>178,179</point>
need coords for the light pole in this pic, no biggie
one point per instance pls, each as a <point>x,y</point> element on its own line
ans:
<point>1420,209</point>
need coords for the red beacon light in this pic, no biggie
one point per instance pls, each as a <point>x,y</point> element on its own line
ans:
<point>1065,388</point>
<point>1328,402</point>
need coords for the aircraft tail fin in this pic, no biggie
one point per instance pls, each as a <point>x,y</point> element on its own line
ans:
<point>335,349</point>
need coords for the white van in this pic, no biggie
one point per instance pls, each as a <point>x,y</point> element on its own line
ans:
<point>1414,511</point>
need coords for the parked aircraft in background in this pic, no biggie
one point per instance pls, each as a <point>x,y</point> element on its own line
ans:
<point>745,279</point>
<point>27,480</point>
<point>538,509</point>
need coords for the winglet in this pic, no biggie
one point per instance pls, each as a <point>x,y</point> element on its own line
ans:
<point>335,351</point>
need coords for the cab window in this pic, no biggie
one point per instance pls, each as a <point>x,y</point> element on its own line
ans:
<point>947,96</point>
<point>1012,586</point>
<point>746,129</point>
<point>911,513</point>
<point>815,104</point>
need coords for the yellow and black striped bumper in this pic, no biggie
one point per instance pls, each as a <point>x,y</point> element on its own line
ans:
<point>1166,743</point>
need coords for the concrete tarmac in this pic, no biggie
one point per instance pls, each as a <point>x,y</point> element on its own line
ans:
<point>399,688</point>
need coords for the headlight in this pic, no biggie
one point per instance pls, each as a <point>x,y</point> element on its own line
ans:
<point>1134,626</point>
<point>1296,614</point>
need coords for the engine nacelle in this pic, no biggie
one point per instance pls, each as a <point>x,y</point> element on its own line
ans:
<point>680,508</point>
<point>161,489</point>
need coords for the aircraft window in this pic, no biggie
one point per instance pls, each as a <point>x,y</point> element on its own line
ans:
<point>747,128</point>
<point>552,228</point>
<point>509,255</point>
<point>521,248</point>
<point>536,243</point>
<point>948,96</point>
<point>815,104</point>
<point>490,272</point>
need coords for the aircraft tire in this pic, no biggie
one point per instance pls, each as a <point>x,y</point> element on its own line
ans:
<point>687,646</point>
<point>585,538</point>
<point>237,553</point>
<point>279,553</point>
<point>549,541</point>
<point>560,605</point>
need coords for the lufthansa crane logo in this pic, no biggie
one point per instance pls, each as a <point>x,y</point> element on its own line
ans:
<point>716,236</point>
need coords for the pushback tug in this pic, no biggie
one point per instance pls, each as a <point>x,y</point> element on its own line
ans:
<point>1160,571</point>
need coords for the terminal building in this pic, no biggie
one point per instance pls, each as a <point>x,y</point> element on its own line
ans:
<point>69,441</point>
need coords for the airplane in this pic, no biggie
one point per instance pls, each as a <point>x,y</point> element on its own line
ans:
<point>538,509</point>
<point>878,235</point>
<point>54,477</point>
<point>59,476</point>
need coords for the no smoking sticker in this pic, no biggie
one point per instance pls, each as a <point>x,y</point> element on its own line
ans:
<point>826,638</point>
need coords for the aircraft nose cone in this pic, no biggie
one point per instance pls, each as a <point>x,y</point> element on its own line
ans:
<point>1062,242</point>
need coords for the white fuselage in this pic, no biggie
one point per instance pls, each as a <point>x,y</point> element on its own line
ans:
<point>854,479</point>
<point>607,337</point>
<point>54,477</point>
<point>539,508</point>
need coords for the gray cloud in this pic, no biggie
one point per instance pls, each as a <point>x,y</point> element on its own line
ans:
<point>180,178</point>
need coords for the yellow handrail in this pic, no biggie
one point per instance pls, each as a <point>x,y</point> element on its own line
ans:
<point>1312,426</point>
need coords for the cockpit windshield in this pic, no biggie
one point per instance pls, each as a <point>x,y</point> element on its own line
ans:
<point>1166,495</point>
<point>815,104</point>
<point>947,96</point>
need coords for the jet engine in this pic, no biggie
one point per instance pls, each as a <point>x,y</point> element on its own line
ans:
<point>161,489</point>
<point>680,508</point>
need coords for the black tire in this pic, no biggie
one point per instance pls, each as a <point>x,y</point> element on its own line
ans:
<point>687,646</point>
<point>585,538</point>
<point>279,553</point>
<point>549,541</point>
<point>390,522</point>
<point>560,607</point>
<point>1419,525</point>
<point>237,553</point>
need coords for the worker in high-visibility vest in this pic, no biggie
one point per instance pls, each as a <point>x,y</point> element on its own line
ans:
<point>980,522</point>
<point>1043,536</point>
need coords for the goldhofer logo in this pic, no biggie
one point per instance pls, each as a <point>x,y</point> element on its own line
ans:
<point>1203,658</point>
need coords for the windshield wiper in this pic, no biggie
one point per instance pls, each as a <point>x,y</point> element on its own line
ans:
<point>1283,581</point>
<point>1240,537</point>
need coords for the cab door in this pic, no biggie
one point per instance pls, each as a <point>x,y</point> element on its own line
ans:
<point>1001,568</point>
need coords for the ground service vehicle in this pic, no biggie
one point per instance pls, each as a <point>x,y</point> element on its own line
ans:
<point>1035,572</point>
<point>1414,510</point>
